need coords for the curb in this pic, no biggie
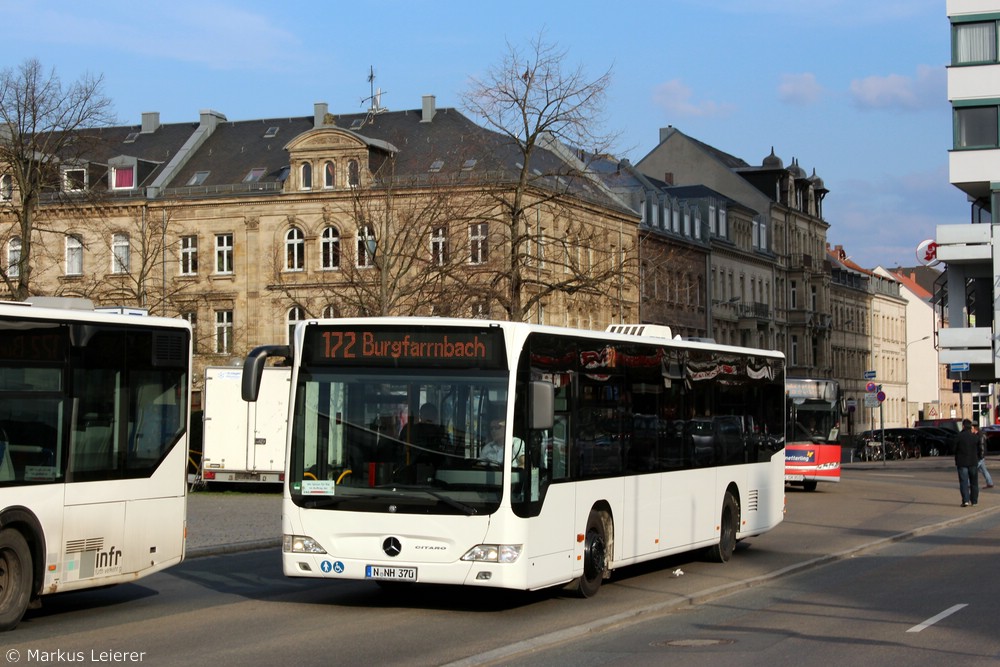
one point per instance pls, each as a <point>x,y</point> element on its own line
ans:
<point>231,548</point>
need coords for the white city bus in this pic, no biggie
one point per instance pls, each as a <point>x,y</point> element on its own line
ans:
<point>93,449</point>
<point>618,449</point>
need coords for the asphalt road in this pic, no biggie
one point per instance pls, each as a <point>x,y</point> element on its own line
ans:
<point>229,606</point>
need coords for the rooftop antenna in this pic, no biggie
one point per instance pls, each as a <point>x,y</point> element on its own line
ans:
<point>376,95</point>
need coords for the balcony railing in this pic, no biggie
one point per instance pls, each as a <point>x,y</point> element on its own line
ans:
<point>756,311</point>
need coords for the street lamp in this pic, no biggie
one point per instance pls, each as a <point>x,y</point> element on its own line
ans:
<point>371,245</point>
<point>917,341</point>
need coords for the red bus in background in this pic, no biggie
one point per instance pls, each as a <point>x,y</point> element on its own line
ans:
<point>812,430</point>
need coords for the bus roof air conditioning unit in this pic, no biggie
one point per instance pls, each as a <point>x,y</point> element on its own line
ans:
<point>654,330</point>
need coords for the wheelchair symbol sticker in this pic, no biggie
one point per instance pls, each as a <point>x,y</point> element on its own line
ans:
<point>335,566</point>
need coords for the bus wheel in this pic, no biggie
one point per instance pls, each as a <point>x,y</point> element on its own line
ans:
<point>15,578</point>
<point>595,556</point>
<point>809,485</point>
<point>723,551</point>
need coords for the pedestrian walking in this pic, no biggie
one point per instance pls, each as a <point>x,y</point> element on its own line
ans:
<point>968,451</point>
<point>982,456</point>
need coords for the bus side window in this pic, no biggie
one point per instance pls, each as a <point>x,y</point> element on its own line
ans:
<point>6,466</point>
<point>557,454</point>
<point>92,448</point>
<point>156,423</point>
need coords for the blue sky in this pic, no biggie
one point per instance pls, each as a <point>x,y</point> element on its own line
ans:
<point>855,89</point>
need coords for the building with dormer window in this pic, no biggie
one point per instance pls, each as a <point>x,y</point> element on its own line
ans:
<point>246,227</point>
<point>778,279</point>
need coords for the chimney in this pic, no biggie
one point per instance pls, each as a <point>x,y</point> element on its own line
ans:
<point>210,119</point>
<point>668,177</point>
<point>320,111</point>
<point>150,122</point>
<point>428,109</point>
<point>666,132</point>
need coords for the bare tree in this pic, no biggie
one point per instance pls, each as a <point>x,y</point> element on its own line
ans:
<point>42,126</point>
<point>395,252</point>
<point>546,116</point>
<point>136,247</point>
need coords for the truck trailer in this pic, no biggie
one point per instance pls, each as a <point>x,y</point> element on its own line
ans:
<point>244,442</point>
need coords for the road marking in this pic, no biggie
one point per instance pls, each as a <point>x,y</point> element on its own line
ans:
<point>934,619</point>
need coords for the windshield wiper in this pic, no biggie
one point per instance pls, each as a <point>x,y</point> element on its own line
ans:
<point>468,510</point>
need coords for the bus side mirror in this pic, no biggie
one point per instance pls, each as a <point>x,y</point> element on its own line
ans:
<point>542,400</point>
<point>253,369</point>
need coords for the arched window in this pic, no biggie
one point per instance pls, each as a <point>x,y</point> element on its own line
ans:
<point>14,257</point>
<point>119,253</point>
<point>295,315</point>
<point>330,248</point>
<point>353,174</point>
<point>306,173</point>
<point>329,175</point>
<point>366,247</point>
<point>6,187</point>
<point>295,250</point>
<point>330,311</point>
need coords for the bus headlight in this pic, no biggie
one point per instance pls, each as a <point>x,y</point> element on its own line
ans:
<point>300,544</point>
<point>494,553</point>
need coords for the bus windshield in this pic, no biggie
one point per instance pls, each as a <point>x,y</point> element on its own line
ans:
<point>403,441</point>
<point>813,415</point>
<point>815,422</point>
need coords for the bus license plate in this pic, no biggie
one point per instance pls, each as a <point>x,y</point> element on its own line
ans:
<point>390,573</point>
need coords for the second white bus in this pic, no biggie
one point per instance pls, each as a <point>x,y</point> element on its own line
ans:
<point>615,449</point>
<point>93,450</point>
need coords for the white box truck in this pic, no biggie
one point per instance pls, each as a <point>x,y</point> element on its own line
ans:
<point>244,442</point>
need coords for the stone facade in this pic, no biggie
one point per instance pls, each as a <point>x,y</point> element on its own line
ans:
<point>264,223</point>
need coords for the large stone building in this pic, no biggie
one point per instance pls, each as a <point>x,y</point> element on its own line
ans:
<point>851,337</point>
<point>246,227</point>
<point>673,247</point>
<point>776,276</point>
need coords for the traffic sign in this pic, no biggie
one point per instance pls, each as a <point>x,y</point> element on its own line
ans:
<point>880,396</point>
<point>871,401</point>
<point>869,375</point>
<point>870,387</point>
<point>959,367</point>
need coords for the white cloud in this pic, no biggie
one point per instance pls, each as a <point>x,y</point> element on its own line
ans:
<point>676,98</point>
<point>925,90</point>
<point>883,220</point>
<point>799,89</point>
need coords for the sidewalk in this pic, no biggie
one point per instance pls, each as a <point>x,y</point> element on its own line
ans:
<point>226,522</point>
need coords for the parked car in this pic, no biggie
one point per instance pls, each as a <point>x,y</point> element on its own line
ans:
<point>905,443</point>
<point>992,433</point>
<point>952,423</point>
<point>947,435</point>
<point>926,442</point>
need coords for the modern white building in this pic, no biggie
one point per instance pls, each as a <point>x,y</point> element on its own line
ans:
<point>970,297</point>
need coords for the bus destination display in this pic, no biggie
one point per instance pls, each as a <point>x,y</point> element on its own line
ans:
<point>32,345</point>
<point>449,348</point>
